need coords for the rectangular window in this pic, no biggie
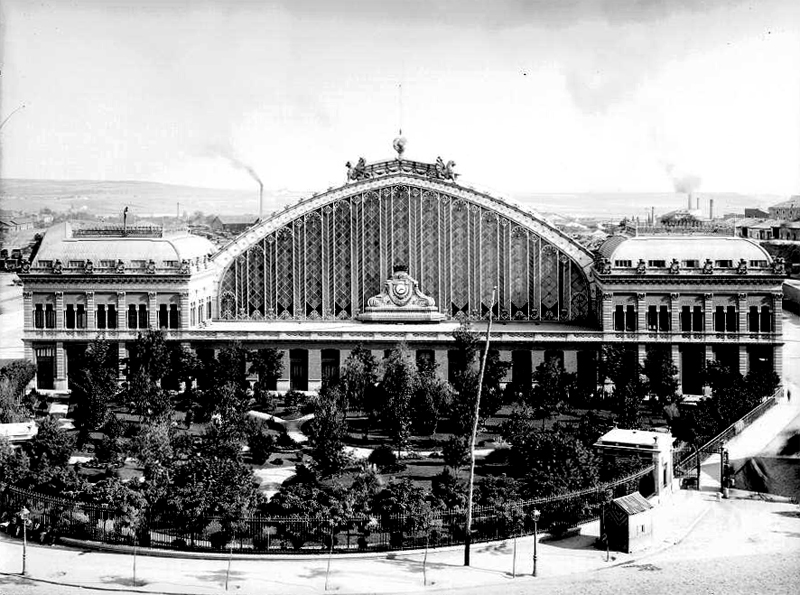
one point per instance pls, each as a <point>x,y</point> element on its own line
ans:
<point>112,316</point>
<point>619,318</point>
<point>686,319</point>
<point>657,263</point>
<point>46,264</point>
<point>131,316</point>
<point>49,316</point>
<point>652,318</point>
<point>623,263</point>
<point>663,319</point>
<point>766,319</point>
<point>723,264</point>
<point>38,316</point>
<point>731,320</point>
<point>163,321</point>
<point>192,319</point>
<point>697,319</point>
<point>69,316</point>
<point>690,264</point>
<point>758,263</point>
<point>174,319</point>
<point>208,309</point>
<point>170,264</point>
<point>108,264</point>
<point>80,316</point>
<point>100,317</point>
<point>630,318</point>
<point>719,319</point>
<point>752,319</point>
<point>143,318</point>
<point>138,264</point>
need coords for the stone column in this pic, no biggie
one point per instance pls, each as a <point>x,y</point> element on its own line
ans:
<point>708,313</point>
<point>59,309</point>
<point>284,381</point>
<point>676,359</point>
<point>184,313</point>
<point>642,353</point>
<point>61,367</point>
<point>777,360</point>
<point>675,313</point>
<point>741,305</point>
<point>743,360</point>
<point>122,311</point>
<point>314,369</point>
<point>641,312</point>
<point>27,310</point>
<point>608,312</point>
<point>90,311</point>
<point>152,309</point>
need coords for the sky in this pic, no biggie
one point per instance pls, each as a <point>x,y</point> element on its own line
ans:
<point>550,96</point>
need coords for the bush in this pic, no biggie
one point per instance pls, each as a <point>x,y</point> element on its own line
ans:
<point>383,457</point>
<point>261,446</point>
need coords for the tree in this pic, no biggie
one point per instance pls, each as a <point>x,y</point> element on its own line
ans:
<point>448,490</point>
<point>627,400</point>
<point>93,382</point>
<point>14,377</point>
<point>465,385</point>
<point>327,429</point>
<point>261,443</point>
<point>662,374</point>
<point>456,452</point>
<point>14,464</point>
<point>398,385</point>
<point>153,449</point>
<point>147,366</point>
<point>267,364</point>
<point>550,395</point>
<point>231,367</point>
<point>432,396</point>
<point>51,446</point>
<point>383,458</point>
<point>358,378</point>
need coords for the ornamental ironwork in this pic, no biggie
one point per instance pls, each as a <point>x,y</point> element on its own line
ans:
<point>329,264</point>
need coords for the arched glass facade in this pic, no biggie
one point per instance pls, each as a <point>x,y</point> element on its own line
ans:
<point>328,262</point>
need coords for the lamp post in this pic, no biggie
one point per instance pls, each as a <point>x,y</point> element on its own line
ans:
<point>23,515</point>
<point>536,515</point>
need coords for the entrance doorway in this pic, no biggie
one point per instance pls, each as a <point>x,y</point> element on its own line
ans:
<point>298,369</point>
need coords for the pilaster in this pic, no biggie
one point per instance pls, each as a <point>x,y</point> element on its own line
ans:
<point>676,360</point>
<point>59,309</point>
<point>27,310</point>
<point>61,365</point>
<point>152,309</point>
<point>709,353</point>
<point>608,312</point>
<point>741,305</point>
<point>122,311</point>
<point>184,317</point>
<point>122,355</point>
<point>90,311</point>
<point>314,369</point>
<point>708,313</point>
<point>777,313</point>
<point>743,360</point>
<point>641,312</point>
<point>642,349</point>
<point>777,360</point>
<point>675,313</point>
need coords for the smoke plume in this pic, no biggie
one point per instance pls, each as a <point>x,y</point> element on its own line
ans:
<point>228,156</point>
<point>683,182</point>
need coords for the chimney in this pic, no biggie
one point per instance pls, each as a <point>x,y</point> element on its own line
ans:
<point>260,201</point>
<point>697,203</point>
<point>652,215</point>
<point>689,204</point>
<point>711,208</point>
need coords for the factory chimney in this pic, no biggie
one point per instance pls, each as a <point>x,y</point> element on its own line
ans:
<point>711,208</point>
<point>689,201</point>
<point>260,200</point>
<point>652,215</point>
<point>697,203</point>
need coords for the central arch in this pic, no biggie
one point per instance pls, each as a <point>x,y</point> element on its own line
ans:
<point>327,255</point>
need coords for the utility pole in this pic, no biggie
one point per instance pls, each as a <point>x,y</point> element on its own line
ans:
<point>468,537</point>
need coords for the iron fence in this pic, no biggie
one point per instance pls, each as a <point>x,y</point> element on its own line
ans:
<point>54,517</point>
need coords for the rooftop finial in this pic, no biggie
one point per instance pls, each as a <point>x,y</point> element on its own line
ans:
<point>399,145</point>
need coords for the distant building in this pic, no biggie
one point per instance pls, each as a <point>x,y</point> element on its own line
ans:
<point>232,223</point>
<point>788,210</point>
<point>790,231</point>
<point>14,223</point>
<point>755,214</point>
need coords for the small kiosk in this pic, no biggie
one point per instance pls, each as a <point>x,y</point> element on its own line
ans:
<point>628,523</point>
<point>650,448</point>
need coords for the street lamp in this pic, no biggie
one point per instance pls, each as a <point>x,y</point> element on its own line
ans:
<point>536,515</point>
<point>24,514</point>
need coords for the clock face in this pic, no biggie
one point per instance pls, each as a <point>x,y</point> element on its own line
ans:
<point>401,289</point>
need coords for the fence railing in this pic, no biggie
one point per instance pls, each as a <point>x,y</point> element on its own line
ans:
<point>688,458</point>
<point>60,517</point>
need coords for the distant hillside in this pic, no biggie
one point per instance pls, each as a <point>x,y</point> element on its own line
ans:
<point>144,198</point>
<point>152,198</point>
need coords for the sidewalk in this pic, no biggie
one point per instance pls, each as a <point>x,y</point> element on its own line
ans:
<point>397,572</point>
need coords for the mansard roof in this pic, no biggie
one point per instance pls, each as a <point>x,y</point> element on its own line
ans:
<point>682,248</point>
